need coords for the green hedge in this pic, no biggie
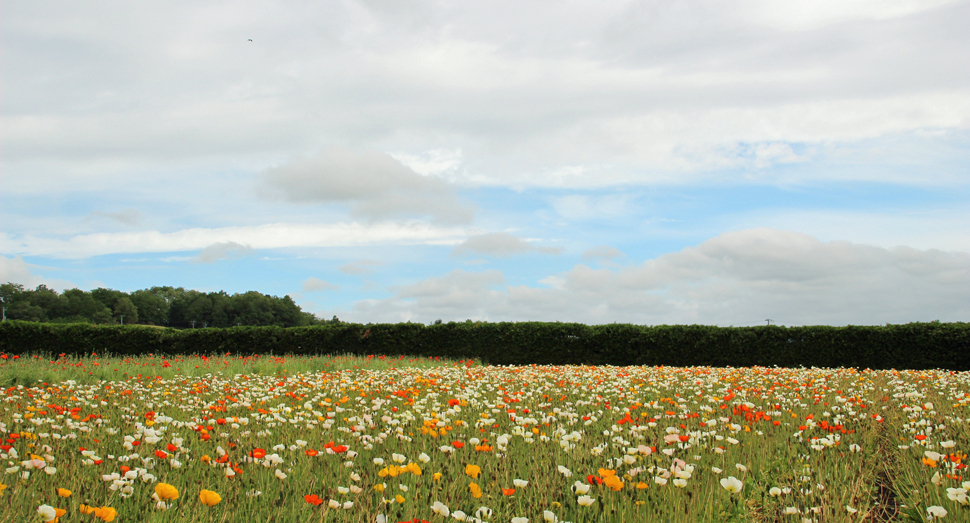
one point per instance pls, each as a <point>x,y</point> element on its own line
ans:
<point>912,346</point>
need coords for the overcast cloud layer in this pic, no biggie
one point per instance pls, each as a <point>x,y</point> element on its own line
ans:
<point>591,161</point>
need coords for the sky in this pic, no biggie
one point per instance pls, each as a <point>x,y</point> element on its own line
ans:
<point>656,162</point>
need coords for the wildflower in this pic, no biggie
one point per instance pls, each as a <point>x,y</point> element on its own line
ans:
<point>732,484</point>
<point>677,483</point>
<point>564,471</point>
<point>475,490</point>
<point>336,504</point>
<point>585,500</point>
<point>579,488</point>
<point>47,512</point>
<point>521,483</point>
<point>614,483</point>
<point>62,492</point>
<point>936,511</point>
<point>399,499</point>
<point>549,516</point>
<point>774,492</point>
<point>106,514</point>
<point>508,491</point>
<point>520,520</point>
<point>166,492</point>
<point>483,513</point>
<point>280,474</point>
<point>209,498</point>
<point>439,508</point>
<point>473,470</point>
<point>436,476</point>
<point>850,510</point>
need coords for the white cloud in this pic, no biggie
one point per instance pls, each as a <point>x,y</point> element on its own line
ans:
<point>377,185</point>
<point>269,236</point>
<point>502,94</point>
<point>221,251</point>
<point>500,244</point>
<point>736,278</point>
<point>16,270</point>
<point>317,285</point>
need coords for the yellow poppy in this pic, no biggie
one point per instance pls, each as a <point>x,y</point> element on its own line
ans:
<point>209,498</point>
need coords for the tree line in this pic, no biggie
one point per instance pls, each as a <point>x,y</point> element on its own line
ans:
<point>162,306</point>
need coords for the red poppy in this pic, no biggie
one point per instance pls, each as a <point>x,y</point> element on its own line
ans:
<point>313,499</point>
<point>171,448</point>
<point>594,480</point>
<point>257,453</point>
<point>311,452</point>
<point>340,448</point>
<point>452,402</point>
<point>508,491</point>
<point>161,454</point>
<point>457,444</point>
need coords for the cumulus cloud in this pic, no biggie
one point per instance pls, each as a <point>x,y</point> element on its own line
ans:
<point>376,186</point>
<point>317,285</point>
<point>500,244</point>
<point>736,278</point>
<point>16,270</point>
<point>221,251</point>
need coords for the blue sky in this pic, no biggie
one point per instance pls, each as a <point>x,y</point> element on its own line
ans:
<point>644,162</point>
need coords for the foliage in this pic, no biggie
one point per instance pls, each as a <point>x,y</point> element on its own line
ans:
<point>912,346</point>
<point>163,306</point>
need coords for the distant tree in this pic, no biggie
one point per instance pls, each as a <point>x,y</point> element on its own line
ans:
<point>24,311</point>
<point>10,292</point>
<point>152,306</point>
<point>53,304</point>
<point>107,297</point>
<point>82,304</point>
<point>125,311</point>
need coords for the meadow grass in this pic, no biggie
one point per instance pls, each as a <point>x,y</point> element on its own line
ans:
<point>398,439</point>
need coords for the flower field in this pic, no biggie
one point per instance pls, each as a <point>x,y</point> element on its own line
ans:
<point>299,439</point>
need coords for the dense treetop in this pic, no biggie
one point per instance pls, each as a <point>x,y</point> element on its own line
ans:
<point>163,306</point>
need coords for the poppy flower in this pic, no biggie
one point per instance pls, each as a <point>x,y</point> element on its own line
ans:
<point>508,491</point>
<point>473,470</point>
<point>311,452</point>
<point>475,490</point>
<point>62,492</point>
<point>166,491</point>
<point>313,499</point>
<point>209,498</point>
<point>257,453</point>
<point>106,514</point>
